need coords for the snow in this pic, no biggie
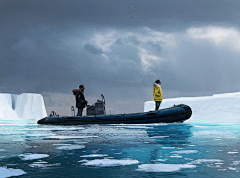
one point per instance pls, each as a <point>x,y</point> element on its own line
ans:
<point>185,151</point>
<point>43,165</point>
<point>163,167</point>
<point>94,155</point>
<point>71,147</point>
<point>212,109</point>
<point>30,156</point>
<point>200,161</point>
<point>24,106</point>
<point>9,172</point>
<point>110,162</point>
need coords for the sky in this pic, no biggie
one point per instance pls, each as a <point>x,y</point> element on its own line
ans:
<point>118,49</point>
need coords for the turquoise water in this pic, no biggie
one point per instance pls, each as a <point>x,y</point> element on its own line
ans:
<point>188,150</point>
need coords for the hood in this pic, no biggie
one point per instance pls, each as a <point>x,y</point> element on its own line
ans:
<point>75,91</point>
<point>156,85</point>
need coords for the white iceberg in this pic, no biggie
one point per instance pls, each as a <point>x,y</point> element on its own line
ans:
<point>212,109</point>
<point>24,106</point>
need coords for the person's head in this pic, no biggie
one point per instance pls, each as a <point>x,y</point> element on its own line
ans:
<point>81,87</point>
<point>158,81</point>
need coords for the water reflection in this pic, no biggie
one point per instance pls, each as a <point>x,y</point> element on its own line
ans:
<point>171,135</point>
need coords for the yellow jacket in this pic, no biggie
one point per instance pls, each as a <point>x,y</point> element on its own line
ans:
<point>157,92</point>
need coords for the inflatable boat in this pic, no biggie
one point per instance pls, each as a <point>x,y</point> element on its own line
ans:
<point>96,114</point>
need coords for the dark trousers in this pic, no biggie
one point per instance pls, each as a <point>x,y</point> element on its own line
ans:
<point>80,110</point>
<point>157,104</point>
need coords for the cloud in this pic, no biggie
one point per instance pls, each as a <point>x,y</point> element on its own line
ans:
<point>119,48</point>
<point>225,38</point>
<point>93,49</point>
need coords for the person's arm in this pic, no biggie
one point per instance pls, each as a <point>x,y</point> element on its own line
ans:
<point>158,92</point>
<point>79,98</point>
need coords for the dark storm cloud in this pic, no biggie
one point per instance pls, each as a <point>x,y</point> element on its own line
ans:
<point>119,48</point>
<point>122,13</point>
<point>93,49</point>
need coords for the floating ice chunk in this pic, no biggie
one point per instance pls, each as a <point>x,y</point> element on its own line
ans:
<point>2,150</point>
<point>159,136</point>
<point>40,165</point>
<point>40,162</point>
<point>200,161</point>
<point>69,137</point>
<point>164,167</point>
<point>185,151</point>
<point>232,168</point>
<point>168,147</point>
<point>71,147</point>
<point>30,156</point>
<point>9,172</point>
<point>232,152</point>
<point>94,155</point>
<point>60,144</point>
<point>161,160</point>
<point>110,162</point>
<point>236,162</point>
<point>176,156</point>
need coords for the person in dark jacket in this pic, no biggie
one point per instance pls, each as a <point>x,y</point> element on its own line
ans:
<point>80,99</point>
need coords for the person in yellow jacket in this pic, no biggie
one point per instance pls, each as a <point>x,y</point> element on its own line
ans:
<point>157,93</point>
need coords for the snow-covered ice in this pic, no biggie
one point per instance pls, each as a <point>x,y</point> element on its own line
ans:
<point>185,151</point>
<point>110,162</point>
<point>30,156</point>
<point>215,108</point>
<point>71,147</point>
<point>24,106</point>
<point>9,172</point>
<point>164,167</point>
<point>43,165</point>
<point>93,155</point>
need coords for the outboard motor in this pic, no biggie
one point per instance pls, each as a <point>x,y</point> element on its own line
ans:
<point>97,108</point>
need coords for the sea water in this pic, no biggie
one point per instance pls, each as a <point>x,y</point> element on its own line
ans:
<point>187,150</point>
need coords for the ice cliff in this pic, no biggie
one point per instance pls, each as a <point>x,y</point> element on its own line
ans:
<point>215,108</point>
<point>23,106</point>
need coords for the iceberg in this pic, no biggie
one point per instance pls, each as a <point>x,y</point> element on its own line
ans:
<point>218,108</point>
<point>23,106</point>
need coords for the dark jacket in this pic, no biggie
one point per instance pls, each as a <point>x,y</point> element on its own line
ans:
<point>80,99</point>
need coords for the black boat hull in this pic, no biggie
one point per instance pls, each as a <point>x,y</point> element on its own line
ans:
<point>177,113</point>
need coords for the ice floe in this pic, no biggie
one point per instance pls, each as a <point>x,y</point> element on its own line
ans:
<point>94,155</point>
<point>30,156</point>
<point>163,167</point>
<point>185,151</point>
<point>68,137</point>
<point>232,152</point>
<point>110,162</point>
<point>43,165</point>
<point>9,172</point>
<point>236,162</point>
<point>71,147</point>
<point>200,161</point>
